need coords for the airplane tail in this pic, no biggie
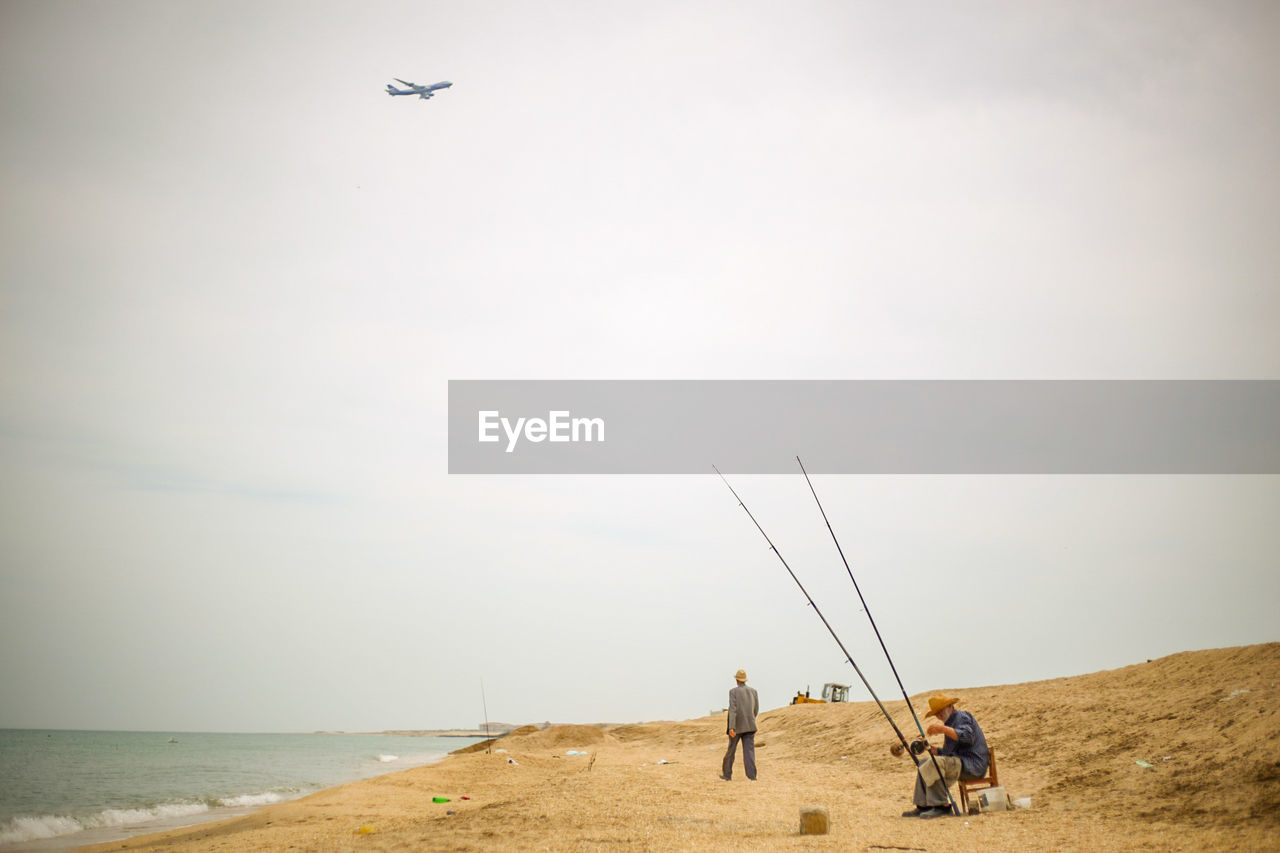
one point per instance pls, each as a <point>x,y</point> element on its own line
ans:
<point>391,90</point>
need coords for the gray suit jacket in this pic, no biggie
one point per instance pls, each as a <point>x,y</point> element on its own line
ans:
<point>744,704</point>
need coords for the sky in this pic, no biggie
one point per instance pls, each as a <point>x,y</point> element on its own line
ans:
<point>237,278</point>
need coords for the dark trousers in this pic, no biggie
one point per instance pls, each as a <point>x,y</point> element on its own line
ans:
<point>748,755</point>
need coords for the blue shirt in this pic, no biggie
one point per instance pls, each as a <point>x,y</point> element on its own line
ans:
<point>970,745</point>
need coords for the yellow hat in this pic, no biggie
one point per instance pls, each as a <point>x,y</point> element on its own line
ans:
<point>740,675</point>
<point>937,703</point>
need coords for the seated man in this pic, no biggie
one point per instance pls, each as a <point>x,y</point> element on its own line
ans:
<point>963,755</point>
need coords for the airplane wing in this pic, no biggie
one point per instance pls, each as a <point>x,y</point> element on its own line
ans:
<point>407,83</point>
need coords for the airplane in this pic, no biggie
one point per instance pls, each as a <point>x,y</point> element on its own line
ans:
<point>423,92</point>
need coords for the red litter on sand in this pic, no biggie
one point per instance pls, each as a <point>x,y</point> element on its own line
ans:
<point>465,797</point>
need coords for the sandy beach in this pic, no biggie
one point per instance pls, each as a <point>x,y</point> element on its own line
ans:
<point>1201,724</point>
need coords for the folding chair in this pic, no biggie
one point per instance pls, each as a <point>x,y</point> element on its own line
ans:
<point>969,785</point>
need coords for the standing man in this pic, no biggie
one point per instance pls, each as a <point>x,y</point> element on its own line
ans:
<point>744,704</point>
<point>963,755</point>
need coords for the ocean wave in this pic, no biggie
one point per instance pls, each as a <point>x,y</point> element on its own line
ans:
<point>25,828</point>
<point>164,811</point>
<point>263,799</point>
<point>38,827</point>
<point>415,760</point>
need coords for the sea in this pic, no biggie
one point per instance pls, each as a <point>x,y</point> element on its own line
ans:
<point>63,789</point>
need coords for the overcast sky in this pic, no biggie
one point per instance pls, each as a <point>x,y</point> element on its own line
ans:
<point>237,277</point>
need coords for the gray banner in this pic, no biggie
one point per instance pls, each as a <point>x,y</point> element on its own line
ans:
<point>864,427</point>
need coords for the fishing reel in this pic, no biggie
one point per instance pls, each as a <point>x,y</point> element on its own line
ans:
<point>919,746</point>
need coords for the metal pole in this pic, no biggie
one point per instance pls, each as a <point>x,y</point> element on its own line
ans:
<point>488,742</point>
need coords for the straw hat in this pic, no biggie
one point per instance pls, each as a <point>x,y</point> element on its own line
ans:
<point>740,675</point>
<point>937,703</point>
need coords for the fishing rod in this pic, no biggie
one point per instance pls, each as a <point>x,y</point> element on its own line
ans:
<point>867,610</point>
<point>488,742</point>
<point>813,604</point>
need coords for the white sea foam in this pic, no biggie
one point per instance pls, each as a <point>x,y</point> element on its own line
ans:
<point>35,828</point>
<point>251,800</point>
<point>414,760</point>
<point>164,811</point>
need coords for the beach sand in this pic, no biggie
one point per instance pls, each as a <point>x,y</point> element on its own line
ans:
<point>1204,722</point>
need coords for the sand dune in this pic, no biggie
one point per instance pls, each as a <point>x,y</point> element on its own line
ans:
<point>1202,720</point>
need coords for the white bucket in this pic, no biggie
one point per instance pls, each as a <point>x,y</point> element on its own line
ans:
<point>994,800</point>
